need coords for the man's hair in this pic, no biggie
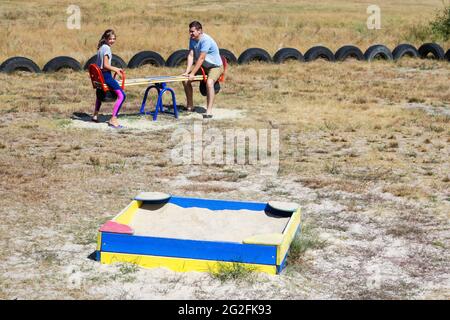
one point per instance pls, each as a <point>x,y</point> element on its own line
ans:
<point>197,25</point>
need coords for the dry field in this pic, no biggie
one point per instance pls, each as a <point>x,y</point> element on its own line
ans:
<point>364,148</point>
<point>37,29</point>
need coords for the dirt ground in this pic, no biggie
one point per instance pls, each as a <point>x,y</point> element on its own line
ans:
<point>364,149</point>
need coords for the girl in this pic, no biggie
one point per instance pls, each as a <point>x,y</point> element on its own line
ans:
<point>104,58</point>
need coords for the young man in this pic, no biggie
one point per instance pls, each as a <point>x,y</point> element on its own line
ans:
<point>204,52</point>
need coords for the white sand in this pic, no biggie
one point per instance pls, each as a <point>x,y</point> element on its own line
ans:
<point>145,123</point>
<point>172,221</point>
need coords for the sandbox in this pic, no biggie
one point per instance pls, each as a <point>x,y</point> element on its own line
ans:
<point>195,234</point>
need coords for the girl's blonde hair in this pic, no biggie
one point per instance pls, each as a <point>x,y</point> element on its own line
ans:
<point>104,39</point>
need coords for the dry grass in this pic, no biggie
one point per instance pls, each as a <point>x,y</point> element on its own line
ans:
<point>236,25</point>
<point>343,128</point>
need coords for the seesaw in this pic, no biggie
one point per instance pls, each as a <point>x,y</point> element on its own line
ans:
<point>159,83</point>
<point>160,79</point>
<point>98,81</point>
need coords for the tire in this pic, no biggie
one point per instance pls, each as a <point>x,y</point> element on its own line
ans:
<point>91,60</point>
<point>254,54</point>
<point>285,54</point>
<point>177,58</point>
<point>146,57</point>
<point>202,88</point>
<point>433,48</point>
<point>405,50</point>
<point>19,64</point>
<point>117,61</point>
<point>231,58</point>
<point>62,62</point>
<point>319,52</point>
<point>447,55</point>
<point>108,96</point>
<point>349,52</point>
<point>378,51</point>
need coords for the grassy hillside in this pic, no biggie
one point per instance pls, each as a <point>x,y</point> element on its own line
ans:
<point>37,29</point>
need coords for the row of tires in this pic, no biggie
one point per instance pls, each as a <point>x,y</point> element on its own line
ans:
<point>253,54</point>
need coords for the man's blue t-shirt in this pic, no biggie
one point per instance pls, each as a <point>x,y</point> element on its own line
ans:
<point>208,45</point>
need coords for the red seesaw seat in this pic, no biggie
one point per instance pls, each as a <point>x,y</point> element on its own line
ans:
<point>98,82</point>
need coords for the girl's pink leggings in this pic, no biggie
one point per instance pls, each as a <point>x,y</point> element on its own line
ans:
<point>120,99</point>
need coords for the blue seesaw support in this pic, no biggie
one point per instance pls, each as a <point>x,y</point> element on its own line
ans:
<point>161,88</point>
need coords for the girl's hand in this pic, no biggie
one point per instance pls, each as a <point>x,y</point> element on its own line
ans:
<point>118,70</point>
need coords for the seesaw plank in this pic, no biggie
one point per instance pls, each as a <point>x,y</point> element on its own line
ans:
<point>155,80</point>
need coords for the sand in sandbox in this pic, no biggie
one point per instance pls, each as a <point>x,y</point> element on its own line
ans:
<point>172,221</point>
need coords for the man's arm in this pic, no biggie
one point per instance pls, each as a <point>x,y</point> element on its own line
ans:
<point>190,62</point>
<point>197,66</point>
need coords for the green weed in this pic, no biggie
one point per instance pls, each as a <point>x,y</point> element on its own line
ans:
<point>232,272</point>
<point>440,27</point>
<point>306,239</point>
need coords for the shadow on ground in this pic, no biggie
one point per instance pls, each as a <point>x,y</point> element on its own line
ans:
<point>83,116</point>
